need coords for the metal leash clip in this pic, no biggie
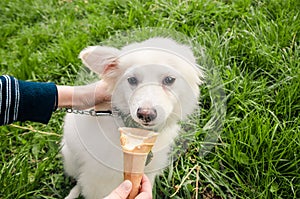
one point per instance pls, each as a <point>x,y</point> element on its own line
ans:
<point>91,112</point>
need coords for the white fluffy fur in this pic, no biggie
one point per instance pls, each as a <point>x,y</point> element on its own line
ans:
<point>91,146</point>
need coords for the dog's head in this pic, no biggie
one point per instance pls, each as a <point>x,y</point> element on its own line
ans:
<point>155,81</point>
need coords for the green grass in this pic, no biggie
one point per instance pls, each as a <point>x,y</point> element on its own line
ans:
<point>255,47</point>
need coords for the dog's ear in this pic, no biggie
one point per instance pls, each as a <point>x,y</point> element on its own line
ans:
<point>100,59</point>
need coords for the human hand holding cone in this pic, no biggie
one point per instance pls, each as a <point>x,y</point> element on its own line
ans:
<point>136,144</point>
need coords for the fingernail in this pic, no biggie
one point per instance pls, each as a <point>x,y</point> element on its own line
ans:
<point>126,185</point>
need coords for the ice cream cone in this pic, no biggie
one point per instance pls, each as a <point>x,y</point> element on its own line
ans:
<point>136,144</point>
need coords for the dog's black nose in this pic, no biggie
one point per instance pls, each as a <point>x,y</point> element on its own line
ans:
<point>146,114</point>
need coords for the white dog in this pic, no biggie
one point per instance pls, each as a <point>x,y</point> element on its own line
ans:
<point>155,82</point>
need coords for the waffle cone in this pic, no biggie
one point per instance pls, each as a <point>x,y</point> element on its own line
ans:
<point>136,144</point>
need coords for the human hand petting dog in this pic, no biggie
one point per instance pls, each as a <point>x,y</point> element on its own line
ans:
<point>82,97</point>
<point>122,191</point>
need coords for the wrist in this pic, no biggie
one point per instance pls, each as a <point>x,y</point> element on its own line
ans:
<point>65,96</point>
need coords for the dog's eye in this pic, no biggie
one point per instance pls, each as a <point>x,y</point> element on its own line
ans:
<point>168,80</point>
<point>132,81</point>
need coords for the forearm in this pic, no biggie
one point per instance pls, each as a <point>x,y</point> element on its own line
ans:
<point>65,96</point>
<point>78,97</point>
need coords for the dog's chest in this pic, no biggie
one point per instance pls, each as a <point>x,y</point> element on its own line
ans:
<point>99,138</point>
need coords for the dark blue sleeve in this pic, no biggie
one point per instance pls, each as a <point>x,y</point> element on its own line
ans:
<point>37,101</point>
<point>26,101</point>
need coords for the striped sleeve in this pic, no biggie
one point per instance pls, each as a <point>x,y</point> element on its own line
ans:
<point>9,99</point>
<point>26,101</point>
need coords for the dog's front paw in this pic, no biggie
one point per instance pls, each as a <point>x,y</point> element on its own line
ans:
<point>74,193</point>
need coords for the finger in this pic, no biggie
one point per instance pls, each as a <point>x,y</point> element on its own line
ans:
<point>144,195</point>
<point>121,192</point>
<point>146,184</point>
<point>146,189</point>
<point>101,93</point>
